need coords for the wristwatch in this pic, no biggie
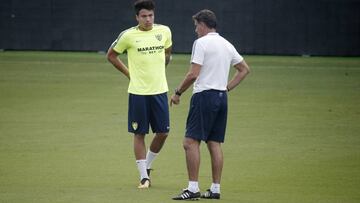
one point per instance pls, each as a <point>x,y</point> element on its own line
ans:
<point>177,92</point>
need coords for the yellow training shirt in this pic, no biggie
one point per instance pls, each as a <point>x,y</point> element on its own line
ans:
<point>146,58</point>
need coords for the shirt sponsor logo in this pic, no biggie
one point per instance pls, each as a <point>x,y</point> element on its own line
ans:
<point>153,48</point>
<point>150,50</point>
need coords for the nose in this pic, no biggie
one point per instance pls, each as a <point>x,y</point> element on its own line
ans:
<point>148,18</point>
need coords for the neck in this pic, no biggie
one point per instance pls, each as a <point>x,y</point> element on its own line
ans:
<point>144,28</point>
<point>207,31</point>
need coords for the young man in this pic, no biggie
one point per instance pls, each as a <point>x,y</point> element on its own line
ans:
<point>148,48</point>
<point>211,59</point>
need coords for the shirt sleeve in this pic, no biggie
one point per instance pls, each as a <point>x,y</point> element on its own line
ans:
<point>237,58</point>
<point>198,53</point>
<point>168,41</point>
<point>120,44</point>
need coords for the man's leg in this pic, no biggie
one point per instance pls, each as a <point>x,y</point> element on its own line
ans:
<point>216,166</point>
<point>140,156</point>
<point>192,153</point>
<point>160,124</point>
<point>139,147</point>
<point>158,142</point>
<point>216,160</point>
<point>155,147</point>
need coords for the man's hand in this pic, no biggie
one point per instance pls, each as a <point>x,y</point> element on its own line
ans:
<point>175,99</point>
<point>112,56</point>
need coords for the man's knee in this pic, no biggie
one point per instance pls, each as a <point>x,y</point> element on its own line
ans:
<point>190,143</point>
<point>162,134</point>
<point>214,147</point>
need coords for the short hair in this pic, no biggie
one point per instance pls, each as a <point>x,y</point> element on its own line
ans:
<point>207,17</point>
<point>143,4</point>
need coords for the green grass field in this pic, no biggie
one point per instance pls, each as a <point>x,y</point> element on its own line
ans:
<point>293,132</point>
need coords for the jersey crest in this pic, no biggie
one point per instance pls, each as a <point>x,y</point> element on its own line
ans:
<point>158,37</point>
<point>134,125</point>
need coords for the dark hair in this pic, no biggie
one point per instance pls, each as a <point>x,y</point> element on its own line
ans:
<point>206,16</point>
<point>143,4</point>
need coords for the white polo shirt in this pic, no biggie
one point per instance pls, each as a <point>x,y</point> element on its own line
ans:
<point>215,55</point>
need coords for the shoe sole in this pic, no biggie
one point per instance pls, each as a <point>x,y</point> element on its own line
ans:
<point>191,199</point>
<point>209,198</point>
<point>144,186</point>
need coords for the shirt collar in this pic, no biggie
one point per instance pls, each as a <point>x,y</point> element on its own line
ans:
<point>212,33</point>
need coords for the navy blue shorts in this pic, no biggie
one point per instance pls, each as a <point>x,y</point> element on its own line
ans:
<point>207,116</point>
<point>145,110</point>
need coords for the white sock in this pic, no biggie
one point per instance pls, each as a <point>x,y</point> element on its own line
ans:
<point>150,158</point>
<point>193,186</point>
<point>215,188</point>
<point>141,164</point>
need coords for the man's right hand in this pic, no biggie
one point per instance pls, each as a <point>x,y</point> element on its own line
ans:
<point>175,99</point>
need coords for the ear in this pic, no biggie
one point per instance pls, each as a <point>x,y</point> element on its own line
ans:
<point>203,25</point>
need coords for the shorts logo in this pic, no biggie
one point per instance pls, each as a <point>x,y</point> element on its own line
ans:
<point>158,37</point>
<point>134,125</point>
